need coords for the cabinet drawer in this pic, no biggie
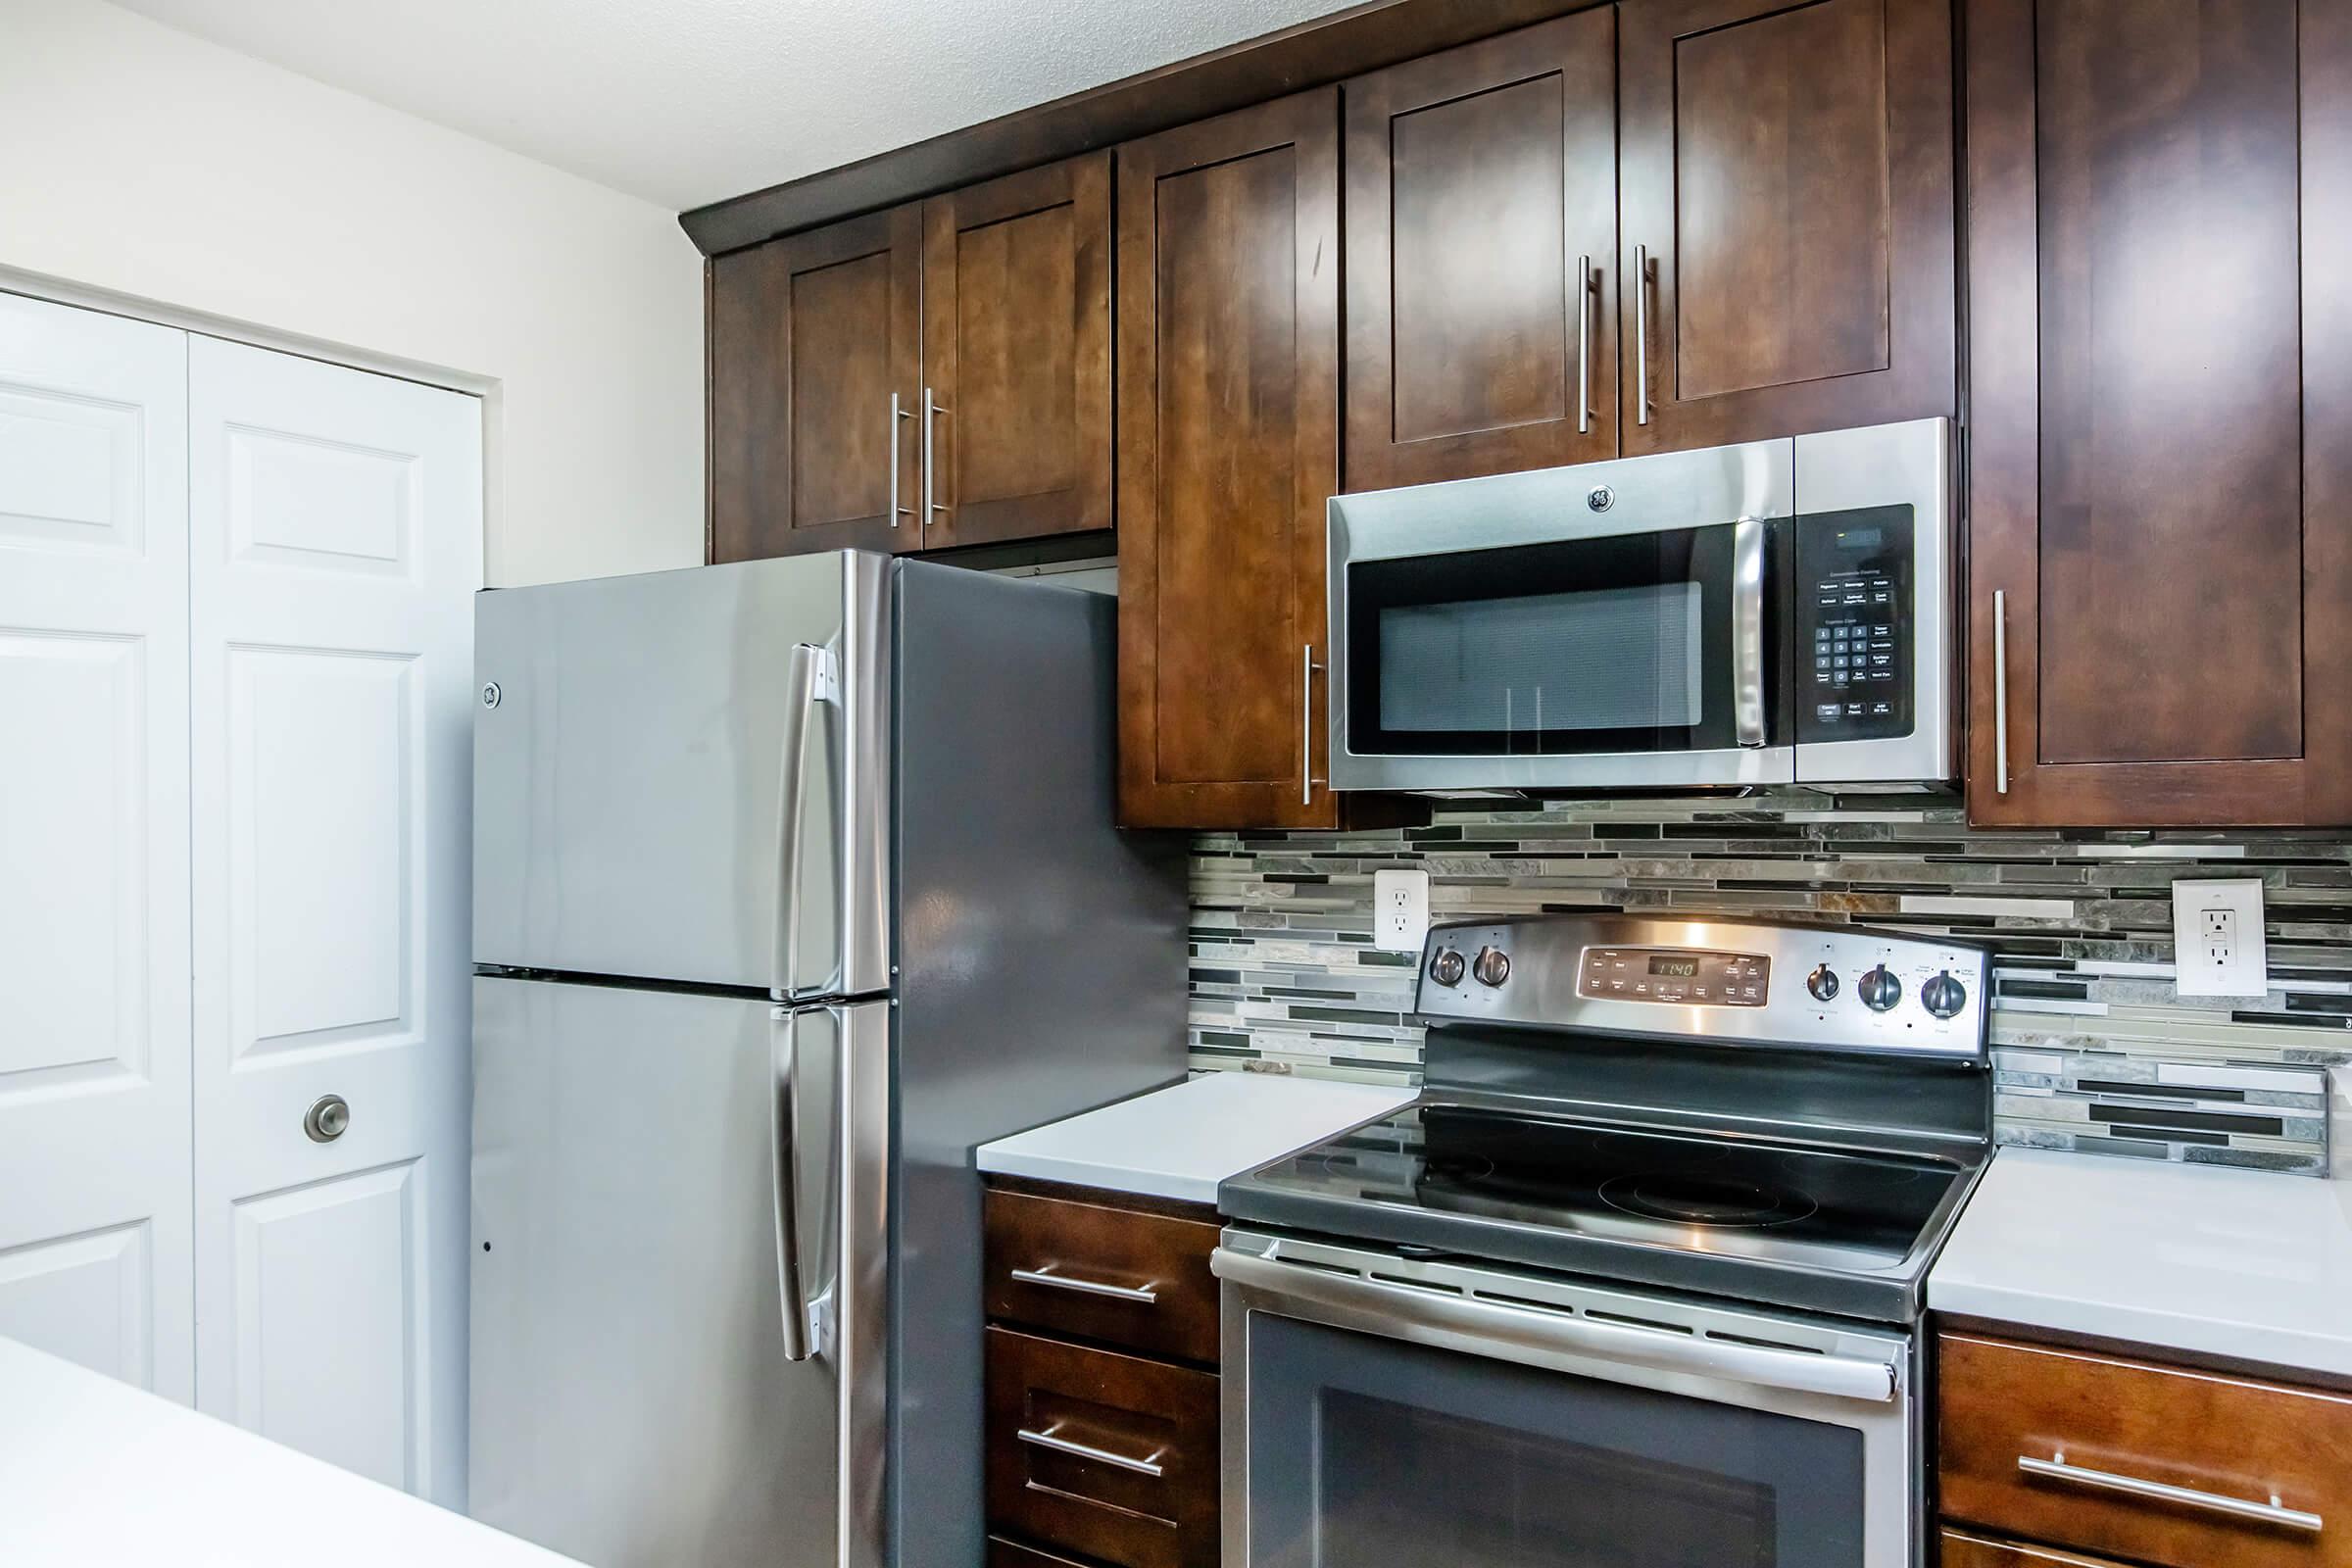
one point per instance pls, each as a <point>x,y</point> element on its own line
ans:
<point>2218,1446</point>
<point>1150,1501</point>
<point>1958,1550</point>
<point>1126,1278</point>
<point>1002,1553</point>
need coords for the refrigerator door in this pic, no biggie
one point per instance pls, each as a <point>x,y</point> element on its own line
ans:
<point>682,776</point>
<point>674,1194</point>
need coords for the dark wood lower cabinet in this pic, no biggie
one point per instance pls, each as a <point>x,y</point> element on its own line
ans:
<point>1958,1550</point>
<point>1094,1455</point>
<point>1113,1456</point>
<point>1004,1553</point>
<point>2046,1442</point>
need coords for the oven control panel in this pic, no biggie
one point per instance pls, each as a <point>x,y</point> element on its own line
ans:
<point>1688,975</point>
<point>1721,981</point>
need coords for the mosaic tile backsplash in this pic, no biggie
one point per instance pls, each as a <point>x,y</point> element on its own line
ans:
<point>2093,1049</point>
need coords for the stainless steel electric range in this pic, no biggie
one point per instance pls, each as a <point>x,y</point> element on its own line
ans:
<point>1636,1282</point>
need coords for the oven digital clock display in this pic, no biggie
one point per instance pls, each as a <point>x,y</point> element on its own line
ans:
<point>1684,976</point>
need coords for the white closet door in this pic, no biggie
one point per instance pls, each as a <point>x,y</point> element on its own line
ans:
<point>335,539</point>
<point>95,1260</point>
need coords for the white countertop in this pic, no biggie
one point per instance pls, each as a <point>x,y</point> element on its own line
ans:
<point>93,1471</point>
<point>1180,1141</point>
<point>2186,1257</point>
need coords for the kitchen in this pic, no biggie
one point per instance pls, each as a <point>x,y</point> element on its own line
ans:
<point>1680,896</point>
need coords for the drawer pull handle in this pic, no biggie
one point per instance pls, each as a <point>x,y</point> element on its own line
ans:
<point>2271,1512</point>
<point>1142,1293</point>
<point>1086,1450</point>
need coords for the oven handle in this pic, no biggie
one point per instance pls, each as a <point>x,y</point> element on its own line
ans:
<point>1539,1328</point>
<point>1747,630</point>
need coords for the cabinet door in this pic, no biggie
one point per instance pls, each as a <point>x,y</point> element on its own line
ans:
<point>1788,193</point>
<point>812,337</point>
<point>2160,458</point>
<point>1228,453</point>
<point>1016,356</point>
<point>1482,224</point>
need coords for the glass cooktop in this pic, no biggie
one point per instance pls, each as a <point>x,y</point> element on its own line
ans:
<point>1838,1230</point>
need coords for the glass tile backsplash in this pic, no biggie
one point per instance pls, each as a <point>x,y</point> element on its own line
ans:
<point>2093,1049</point>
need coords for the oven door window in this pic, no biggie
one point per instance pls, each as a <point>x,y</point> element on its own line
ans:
<point>1610,645</point>
<point>1364,1451</point>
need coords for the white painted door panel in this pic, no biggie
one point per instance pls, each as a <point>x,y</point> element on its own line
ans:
<point>94,1075</point>
<point>335,540</point>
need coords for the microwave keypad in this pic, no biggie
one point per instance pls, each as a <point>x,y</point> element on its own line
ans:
<point>1854,674</point>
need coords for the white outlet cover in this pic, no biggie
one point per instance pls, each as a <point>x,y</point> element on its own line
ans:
<point>1400,910</point>
<point>2243,970</point>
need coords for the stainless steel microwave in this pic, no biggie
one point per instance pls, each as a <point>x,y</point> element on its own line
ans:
<point>1777,611</point>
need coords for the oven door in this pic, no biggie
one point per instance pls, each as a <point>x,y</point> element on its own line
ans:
<point>1422,1415</point>
<point>1507,633</point>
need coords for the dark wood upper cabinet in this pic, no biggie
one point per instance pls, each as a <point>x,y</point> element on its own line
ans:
<point>1481,251</point>
<point>810,337</point>
<point>1788,184</point>
<point>2160,458</point>
<point>1016,352</point>
<point>1228,439</point>
<point>985,313</point>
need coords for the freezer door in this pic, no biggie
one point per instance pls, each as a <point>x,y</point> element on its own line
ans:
<point>674,1197</point>
<point>680,776</point>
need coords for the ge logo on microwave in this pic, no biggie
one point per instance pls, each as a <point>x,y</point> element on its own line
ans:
<point>1601,498</point>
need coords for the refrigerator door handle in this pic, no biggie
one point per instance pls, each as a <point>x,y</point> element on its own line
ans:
<point>816,680</point>
<point>783,1033</point>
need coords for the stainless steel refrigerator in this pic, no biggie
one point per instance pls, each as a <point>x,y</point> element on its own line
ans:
<point>795,880</point>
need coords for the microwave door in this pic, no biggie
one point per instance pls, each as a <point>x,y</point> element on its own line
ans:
<point>1630,659</point>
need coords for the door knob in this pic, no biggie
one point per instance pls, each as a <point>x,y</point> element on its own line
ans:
<point>325,1122</point>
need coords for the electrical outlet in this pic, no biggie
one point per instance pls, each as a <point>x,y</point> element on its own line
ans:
<point>1400,910</point>
<point>2217,938</point>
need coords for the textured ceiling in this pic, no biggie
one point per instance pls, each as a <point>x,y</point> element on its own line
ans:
<point>686,101</point>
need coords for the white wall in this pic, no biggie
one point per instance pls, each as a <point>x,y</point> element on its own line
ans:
<point>137,159</point>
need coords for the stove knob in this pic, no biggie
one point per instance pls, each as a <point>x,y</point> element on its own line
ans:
<point>1447,967</point>
<point>1823,983</point>
<point>1879,989</point>
<point>1493,967</point>
<point>1943,996</point>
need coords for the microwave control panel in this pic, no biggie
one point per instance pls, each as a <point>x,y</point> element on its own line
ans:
<point>1855,633</point>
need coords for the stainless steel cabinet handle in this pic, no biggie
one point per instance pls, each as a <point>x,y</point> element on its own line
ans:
<point>1586,286</point>
<point>2000,691</point>
<point>814,681</point>
<point>1643,272</point>
<point>896,415</point>
<point>2273,1513</point>
<point>933,411</point>
<point>1748,631</point>
<point>1306,724</point>
<point>1142,1293</point>
<point>783,1044</point>
<point>1550,1331</point>
<point>1086,1451</point>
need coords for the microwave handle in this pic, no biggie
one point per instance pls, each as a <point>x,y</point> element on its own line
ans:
<point>1747,630</point>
